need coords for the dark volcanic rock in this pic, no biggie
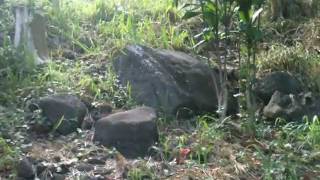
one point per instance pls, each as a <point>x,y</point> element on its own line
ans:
<point>53,108</point>
<point>131,132</point>
<point>292,107</point>
<point>25,169</point>
<point>168,80</point>
<point>277,81</point>
<point>284,106</point>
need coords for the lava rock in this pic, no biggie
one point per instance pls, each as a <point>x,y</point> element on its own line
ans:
<point>292,107</point>
<point>277,81</point>
<point>285,106</point>
<point>25,169</point>
<point>53,108</point>
<point>131,132</point>
<point>168,80</point>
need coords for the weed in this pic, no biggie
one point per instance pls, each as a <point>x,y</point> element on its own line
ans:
<point>8,156</point>
<point>140,173</point>
<point>313,133</point>
<point>295,59</point>
<point>202,154</point>
<point>278,167</point>
<point>207,132</point>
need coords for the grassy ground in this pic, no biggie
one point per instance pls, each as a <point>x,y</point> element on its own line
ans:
<point>84,37</point>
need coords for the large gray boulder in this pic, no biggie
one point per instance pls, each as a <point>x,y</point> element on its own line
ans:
<point>67,110</point>
<point>131,132</point>
<point>277,81</point>
<point>168,80</point>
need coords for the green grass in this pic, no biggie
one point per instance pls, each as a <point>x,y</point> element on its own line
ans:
<point>96,31</point>
<point>8,157</point>
<point>292,151</point>
<point>295,59</point>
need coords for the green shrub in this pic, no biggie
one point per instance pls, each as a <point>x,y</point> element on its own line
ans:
<point>295,59</point>
<point>8,156</point>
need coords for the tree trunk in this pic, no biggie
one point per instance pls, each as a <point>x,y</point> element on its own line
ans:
<point>30,34</point>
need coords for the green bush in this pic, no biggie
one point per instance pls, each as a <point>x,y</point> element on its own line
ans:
<point>295,59</point>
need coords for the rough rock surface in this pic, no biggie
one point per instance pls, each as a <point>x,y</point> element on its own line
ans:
<point>53,108</point>
<point>131,132</point>
<point>168,80</point>
<point>292,107</point>
<point>277,81</point>
<point>25,169</point>
<point>284,106</point>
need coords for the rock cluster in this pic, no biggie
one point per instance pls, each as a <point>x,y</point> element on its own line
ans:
<point>283,97</point>
<point>161,81</point>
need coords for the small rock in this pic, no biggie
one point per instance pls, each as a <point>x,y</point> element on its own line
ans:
<point>131,132</point>
<point>85,167</point>
<point>68,54</point>
<point>25,169</point>
<point>277,81</point>
<point>286,106</point>
<point>96,160</point>
<point>68,109</point>
<point>57,158</point>
<point>292,107</point>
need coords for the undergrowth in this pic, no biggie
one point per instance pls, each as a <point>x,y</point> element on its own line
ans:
<point>295,59</point>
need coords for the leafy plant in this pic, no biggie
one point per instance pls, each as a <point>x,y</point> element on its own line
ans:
<point>282,168</point>
<point>249,26</point>
<point>217,16</point>
<point>295,59</point>
<point>313,134</point>
<point>202,154</point>
<point>140,173</point>
<point>7,156</point>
